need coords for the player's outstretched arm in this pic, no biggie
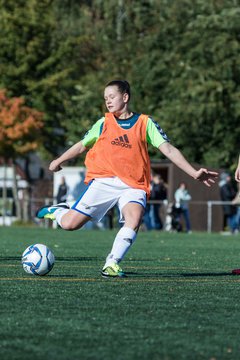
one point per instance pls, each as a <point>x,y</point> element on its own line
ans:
<point>172,153</point>
<point>73,152</point>
<point>237,172</point>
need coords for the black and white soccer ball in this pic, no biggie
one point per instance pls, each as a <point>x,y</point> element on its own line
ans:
<point>38,259</point>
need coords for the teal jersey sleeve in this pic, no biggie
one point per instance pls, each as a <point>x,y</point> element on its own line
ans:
<point>155,134</point>
<point>93,134</point>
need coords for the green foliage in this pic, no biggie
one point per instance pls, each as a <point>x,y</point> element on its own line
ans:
<point>181,58</point>
<point>201,98</point>
<point>41,60</point>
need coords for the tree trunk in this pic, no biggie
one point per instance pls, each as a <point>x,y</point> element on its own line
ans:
<point>15,193</point>
<point>4,193</point>
<point>25,207</point>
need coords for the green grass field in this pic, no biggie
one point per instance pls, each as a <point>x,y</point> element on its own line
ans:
<point>179,300</point>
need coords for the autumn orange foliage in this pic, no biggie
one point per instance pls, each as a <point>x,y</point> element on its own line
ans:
<point>19,126</point>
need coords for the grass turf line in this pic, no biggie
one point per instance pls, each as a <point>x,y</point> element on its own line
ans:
<point>179,301</point>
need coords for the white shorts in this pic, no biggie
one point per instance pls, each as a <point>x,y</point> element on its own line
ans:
<point>103,193</point>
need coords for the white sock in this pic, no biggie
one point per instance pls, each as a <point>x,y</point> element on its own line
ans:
<point>59,214</point>
<point>122,243</point>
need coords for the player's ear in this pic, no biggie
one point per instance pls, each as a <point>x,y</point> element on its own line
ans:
<point>125,97</point>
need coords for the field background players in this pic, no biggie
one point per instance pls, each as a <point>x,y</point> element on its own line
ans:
<point>118,172</point>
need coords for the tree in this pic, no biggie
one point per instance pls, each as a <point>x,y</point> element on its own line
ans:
<point>42,56</point>
<point>181,58</point>
<point>19,134</point>
<point>200,98</point>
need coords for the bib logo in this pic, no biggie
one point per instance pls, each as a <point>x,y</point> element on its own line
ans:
<point>122,141</point>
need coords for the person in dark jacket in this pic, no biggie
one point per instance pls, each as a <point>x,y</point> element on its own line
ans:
<point>228,193</point>
<point>62,191</point>
<point>159,193</point>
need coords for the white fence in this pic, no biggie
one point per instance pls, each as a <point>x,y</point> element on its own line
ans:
<point>210,205</point>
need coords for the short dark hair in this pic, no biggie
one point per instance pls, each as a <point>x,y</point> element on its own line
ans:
<point>123,86</point>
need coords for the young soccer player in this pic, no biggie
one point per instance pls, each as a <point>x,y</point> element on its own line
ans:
<point>118,172</point>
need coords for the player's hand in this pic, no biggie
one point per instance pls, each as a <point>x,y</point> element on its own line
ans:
<point>206,177</point>
<point>54,166</point>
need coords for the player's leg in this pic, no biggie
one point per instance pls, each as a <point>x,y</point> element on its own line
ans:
<point>93,204</point>
<point>66,218</point>
<point>71,220</point>
<point>132,212</point>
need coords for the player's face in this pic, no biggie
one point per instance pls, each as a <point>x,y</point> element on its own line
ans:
<point>114,100</point>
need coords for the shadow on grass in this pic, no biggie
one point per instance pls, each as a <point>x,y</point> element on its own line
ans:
<point>182,275</point>
<point>10,258</point>
<point>64,258</point>
<point>61,276</point>
<point>78,258</point>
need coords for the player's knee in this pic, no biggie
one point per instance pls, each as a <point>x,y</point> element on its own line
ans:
<point>70,225</point>
<point>73,221</point>
<point>136,219</point>
<point>133,221</point>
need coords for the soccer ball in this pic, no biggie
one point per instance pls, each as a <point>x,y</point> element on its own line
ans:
<point>38,259</point>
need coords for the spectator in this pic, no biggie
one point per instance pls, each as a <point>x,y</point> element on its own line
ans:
<point>62,191</point>
<point>236,201</point>
<point>159,193</point>
<point>182,198</point>
<point>228,193</point>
